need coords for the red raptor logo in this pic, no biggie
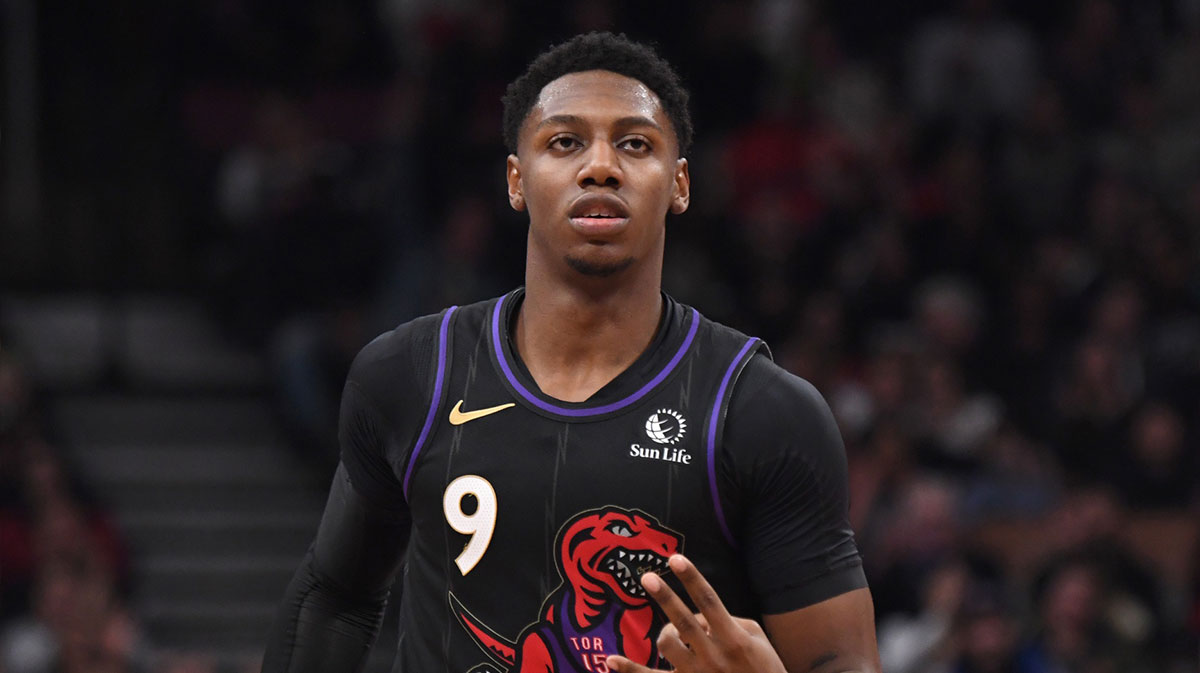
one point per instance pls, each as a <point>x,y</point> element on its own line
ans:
<point>599,609</point>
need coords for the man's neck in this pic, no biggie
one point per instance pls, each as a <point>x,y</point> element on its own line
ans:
<point>574,339</point>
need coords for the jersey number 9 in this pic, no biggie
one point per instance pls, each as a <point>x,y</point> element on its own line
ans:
<point>479,524</point>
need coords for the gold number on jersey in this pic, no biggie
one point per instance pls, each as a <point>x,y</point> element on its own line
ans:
<point>480,524</point>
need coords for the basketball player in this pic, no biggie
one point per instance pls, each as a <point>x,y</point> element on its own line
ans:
<point>584,474</point>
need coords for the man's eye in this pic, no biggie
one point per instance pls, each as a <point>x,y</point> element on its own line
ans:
<point>635,144</point>
<point>564,143</point>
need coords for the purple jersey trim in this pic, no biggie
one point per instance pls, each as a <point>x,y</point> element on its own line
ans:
<point>592,411</point>
<point>712,442</point>
<point>433,402</point>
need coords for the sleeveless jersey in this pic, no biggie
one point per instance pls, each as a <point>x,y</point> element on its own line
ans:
<point>533,518</point>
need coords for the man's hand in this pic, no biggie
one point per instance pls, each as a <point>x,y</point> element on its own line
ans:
<point>710,642</point>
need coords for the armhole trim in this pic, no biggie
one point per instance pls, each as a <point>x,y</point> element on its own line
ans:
<point>716,422</point>
<point>435,401</point>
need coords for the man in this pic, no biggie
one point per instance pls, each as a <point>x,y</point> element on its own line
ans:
<point>546,459</point>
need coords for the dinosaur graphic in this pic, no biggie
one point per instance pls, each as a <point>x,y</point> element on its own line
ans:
<point>599,609</point>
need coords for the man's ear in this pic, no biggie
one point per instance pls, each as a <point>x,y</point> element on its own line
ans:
<point>516,198</point>
<point>681,193</point>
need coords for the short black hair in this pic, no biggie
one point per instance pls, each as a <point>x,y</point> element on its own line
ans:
<point>599,51</point>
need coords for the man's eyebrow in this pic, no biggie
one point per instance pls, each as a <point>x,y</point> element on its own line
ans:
<point>629,122</point>
<point>564,120</point>
<point>622,123</point>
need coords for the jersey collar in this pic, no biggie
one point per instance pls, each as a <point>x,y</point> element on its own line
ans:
<point>676,332</point>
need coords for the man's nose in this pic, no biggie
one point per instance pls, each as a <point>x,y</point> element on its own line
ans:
<point>601,166</point>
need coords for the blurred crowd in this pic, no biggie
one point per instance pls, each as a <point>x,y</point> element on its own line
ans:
<point>67,578</point>
<point>974,225</point>
<point>64,568</point>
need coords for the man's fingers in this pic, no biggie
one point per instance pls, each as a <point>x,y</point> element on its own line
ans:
<point>717,619</point>
<point>749,626</point>
<point>710,636</point>
<point>673,648</point>
<point>669,646</point>
<point>616,662</point>
<point>690,631</point>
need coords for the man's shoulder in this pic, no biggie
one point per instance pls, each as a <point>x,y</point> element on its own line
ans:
<point>396,346</point>
<point>730,337</point>
<point>406,353</point>
<point>777,397</point>
<point>761,379</point>
<point>781,420</point>
<point>416,338</point>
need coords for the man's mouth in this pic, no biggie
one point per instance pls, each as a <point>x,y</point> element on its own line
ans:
<point>598,225</point>
<point>597,219</point>
<point>598,216</point>
<point>598,207</point>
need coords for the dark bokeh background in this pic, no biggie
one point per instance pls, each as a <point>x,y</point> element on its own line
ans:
<point>973,224</point>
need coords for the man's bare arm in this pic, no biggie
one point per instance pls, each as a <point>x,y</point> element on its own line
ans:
<point>835,635</point>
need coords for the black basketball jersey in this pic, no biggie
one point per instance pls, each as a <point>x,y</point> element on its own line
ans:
<point>533,518</point>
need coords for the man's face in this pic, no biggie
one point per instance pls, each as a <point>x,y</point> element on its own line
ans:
<point>597,167</point>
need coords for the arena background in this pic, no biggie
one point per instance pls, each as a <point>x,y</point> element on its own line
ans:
<point>973,224</point>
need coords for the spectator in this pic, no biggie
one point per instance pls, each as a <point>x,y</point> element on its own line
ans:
<point>1086,533</point>
<point>78,625</point>
<point>987,634</point>
<point>922,643</point>
<point>1042,163</point>
<point>952,425</point>
<point>1093,402</point>
<point>1016,478</point>
<point>972,67</point>
<point>1072,634</point>
<point>1091,61</point>
<point>1157,469</point>
<point>923,533</point>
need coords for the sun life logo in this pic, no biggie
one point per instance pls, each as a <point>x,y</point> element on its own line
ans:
<point>666,426</point>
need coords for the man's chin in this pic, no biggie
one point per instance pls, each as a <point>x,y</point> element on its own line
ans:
<point>598,268</point>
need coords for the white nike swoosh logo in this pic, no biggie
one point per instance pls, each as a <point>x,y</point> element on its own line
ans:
<point>458,416</point>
